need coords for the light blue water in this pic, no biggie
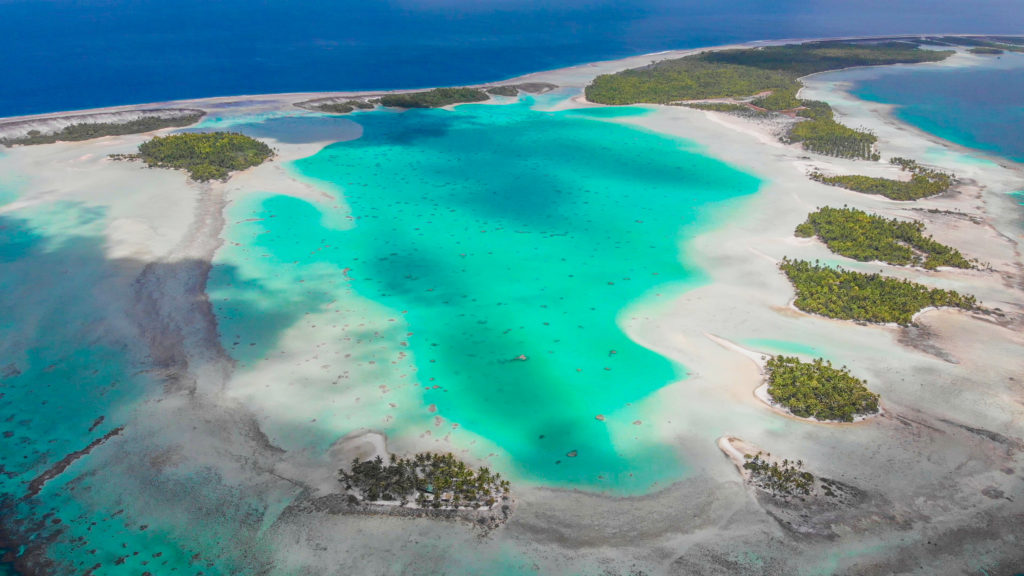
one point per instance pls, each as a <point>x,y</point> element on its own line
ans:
<point>489,233</point>
<point>773,346</point>
<point>66,378</point>
<point>979,106</point>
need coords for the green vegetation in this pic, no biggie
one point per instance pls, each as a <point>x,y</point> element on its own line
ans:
<point>817,390</point>
<point>90,130</point>
<point>435,98</point>
<point>506,90</point>
<point>745,72</point>
<point>208,156</point>
<point>847,295</point>
<point>774,70</point>
<point>866,237</point>
<point>688,78</point>
<point>785,479</point>
<point>782,99</point>
<point>820,133</point>
<point>985,50</point>
<point>924,182</point>
<point>428,479</point>
<point>727,107</point>
<point>342,107</point>
<point>515,89</point>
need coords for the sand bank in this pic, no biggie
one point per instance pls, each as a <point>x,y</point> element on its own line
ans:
<point>947,445</point>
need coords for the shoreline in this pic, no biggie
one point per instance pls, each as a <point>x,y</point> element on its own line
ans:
<point>761,392</point>
<point>742,296</point>
<point>614,64</point>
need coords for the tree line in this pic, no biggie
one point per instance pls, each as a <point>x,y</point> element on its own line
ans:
<point>866,237</point>
<point>847,295</point>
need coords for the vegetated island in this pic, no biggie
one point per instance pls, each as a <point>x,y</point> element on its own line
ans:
<point>924,182</point>
<point>333,107</point>
<point>436,98</point>
<point>867,237</point>
<point>985,50</point>
<point>798,500</point>
<point>847,295</point>
<point>427,480</point>
<point>769,78</point>
<point>817,390</point>
<point>205,156</point>
<point>89,126</point>
<point>515,89</point>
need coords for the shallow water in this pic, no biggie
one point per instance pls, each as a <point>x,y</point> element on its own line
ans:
<point>488,234</point>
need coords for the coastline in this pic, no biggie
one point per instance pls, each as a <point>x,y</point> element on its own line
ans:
<point>744,296</point>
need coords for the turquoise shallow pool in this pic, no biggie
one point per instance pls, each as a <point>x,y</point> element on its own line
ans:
<point>506,243</point>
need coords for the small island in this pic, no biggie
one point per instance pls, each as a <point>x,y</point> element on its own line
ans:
<point>847,295</point>
<point>778,478</point>
<point>923,182</point>
<point>436,98</point>
<point>205,156</point>
<point>800,501</point>
<point>820,133</point>
<point>817,390</point>
<point>427,480</point>
<point>866,237</point>
<point>513,90</point>
<point>332,107</point>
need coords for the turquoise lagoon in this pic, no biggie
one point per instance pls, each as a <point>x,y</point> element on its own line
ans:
<point>66,378</point>
<point>507,244</point>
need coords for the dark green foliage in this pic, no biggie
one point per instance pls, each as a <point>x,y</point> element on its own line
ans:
<point>785,479</point>
<point>847,295</point>
<point>342,107</point>
<point>782,99</point>
<point>689,78</point>
<point>985,50</point>
<point>866,237</point>
<point>528,87</point>
<point>922,184</point>
<point>429,479</point>
<point>813,57</point>
<point>905,164</point>
<point>209,156</point>
<point>506,90</point>
<point>817,390</point>
<point>435,98</point>
<point>335,108</point>
<point>826,136</point>
<point>727,107</point>
<point>745,72</point>
<point>822,134</point>
<point>718,106</point>
<point>536,87</point>
<point>90,130</point>
<point>815,110</point>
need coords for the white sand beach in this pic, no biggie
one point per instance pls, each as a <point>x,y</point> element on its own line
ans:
<point>943,463</point>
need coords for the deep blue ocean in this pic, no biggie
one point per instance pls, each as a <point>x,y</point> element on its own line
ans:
<point>73,54</point>
<point>979,107</point>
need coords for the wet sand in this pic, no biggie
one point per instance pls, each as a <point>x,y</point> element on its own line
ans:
<point>945,457</point>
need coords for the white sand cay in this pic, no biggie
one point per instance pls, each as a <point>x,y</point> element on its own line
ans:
<point>946,455</point>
